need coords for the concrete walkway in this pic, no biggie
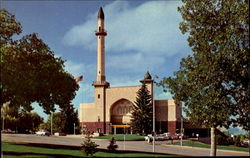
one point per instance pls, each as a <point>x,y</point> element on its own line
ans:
<point>207,150</point>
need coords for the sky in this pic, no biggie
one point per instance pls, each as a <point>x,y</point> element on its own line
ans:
<point>142,36</point>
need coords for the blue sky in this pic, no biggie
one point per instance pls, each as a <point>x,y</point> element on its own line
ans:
<point>142,36</point>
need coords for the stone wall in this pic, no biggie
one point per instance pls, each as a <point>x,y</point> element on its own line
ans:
<point>87,112</point>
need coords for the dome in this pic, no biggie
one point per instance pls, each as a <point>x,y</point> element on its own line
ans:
<point>147,76</point>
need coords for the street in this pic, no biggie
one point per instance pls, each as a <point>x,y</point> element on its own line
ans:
<point>160,147</point>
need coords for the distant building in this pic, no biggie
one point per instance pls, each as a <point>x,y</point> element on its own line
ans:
<point>111,111</point>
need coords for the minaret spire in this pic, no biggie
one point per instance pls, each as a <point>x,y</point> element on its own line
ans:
<point>100,33</point>
<point>100,14</point>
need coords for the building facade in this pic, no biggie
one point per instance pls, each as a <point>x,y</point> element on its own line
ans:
<point>112,107</point>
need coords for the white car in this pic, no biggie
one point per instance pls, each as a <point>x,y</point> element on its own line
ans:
<point>168,136</point>
<point>148,138</point>
<point>159,137</point>
<point>43,133</point>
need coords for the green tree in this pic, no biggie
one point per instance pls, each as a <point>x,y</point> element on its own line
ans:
<point>28,122</point>
<point>20,120</point>
<point>42,126</point>
<point>213,81</point>
<point>69,119</point>
<point>142,113</point>
<point>30,72</point>
<point>64,120</point>
<point>89,147</point>
<point>9,117</point>
<point>57,123</point>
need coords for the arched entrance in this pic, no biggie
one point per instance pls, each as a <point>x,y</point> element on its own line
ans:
<point>120,116</point>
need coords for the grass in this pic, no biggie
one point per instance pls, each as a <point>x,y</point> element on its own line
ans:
<point>203,145</point>
<point>11,150</point>
<point>121,137</point>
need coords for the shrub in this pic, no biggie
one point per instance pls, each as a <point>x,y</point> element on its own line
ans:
<point>223,140</point>
<point>89,147</point>
<point>112,146</point>
<point>238,140</point>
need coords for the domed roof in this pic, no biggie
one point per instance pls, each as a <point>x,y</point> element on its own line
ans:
<point>147,76</point>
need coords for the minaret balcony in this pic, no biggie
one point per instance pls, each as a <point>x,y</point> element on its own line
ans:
<point>101,32</point>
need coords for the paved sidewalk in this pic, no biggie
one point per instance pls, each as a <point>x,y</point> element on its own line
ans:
<point>241,153</point>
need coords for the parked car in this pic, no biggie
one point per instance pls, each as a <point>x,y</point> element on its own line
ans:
<point>246,143</point>
<point>43,133</point>
<point>7,131</point>
<point>177,136</point>
<point>168,136</point>
<point>148,138</point>
<point>59,134</point>
<point>159,137</point>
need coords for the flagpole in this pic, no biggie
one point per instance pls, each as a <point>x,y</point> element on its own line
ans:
<point>82,103</point>
<point>79,79</point>
<point>83,94</point>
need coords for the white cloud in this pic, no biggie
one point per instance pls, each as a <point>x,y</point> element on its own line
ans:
<point>152,27</point>
<point>78,69</point>
<point>134,62</point>
<point>139,38</point>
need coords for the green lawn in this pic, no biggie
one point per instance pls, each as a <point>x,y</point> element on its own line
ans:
<point>203,145</point>
<point>11,150</point>
<point>121,137</point>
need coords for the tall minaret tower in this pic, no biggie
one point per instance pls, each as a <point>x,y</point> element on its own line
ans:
<point>101,84</point>
<point>100,33</point>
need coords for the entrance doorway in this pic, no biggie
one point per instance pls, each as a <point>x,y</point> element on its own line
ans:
<point>120,116</point>
<point>121,129</point>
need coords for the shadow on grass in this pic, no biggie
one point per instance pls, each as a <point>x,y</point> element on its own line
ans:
<point>69,147</point>
<point>50,146</point>
<point>13,153</point>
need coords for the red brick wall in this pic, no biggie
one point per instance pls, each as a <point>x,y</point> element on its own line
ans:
<point>169,126</point>
<point>92,126</point>
<point>172,126</point>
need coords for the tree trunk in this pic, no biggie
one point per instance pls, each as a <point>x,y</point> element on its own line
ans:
<point>213,142</point>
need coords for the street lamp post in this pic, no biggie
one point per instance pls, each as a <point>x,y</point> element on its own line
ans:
<point>3,121</point>
<point>153,118</point>
<point>153,112</point>
<point>51,123</point>
<point>181,128</point>
<point>3,113</point>
<point>74,129</point>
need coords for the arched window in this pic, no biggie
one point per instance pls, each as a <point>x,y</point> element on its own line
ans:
<point>120,111</point>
